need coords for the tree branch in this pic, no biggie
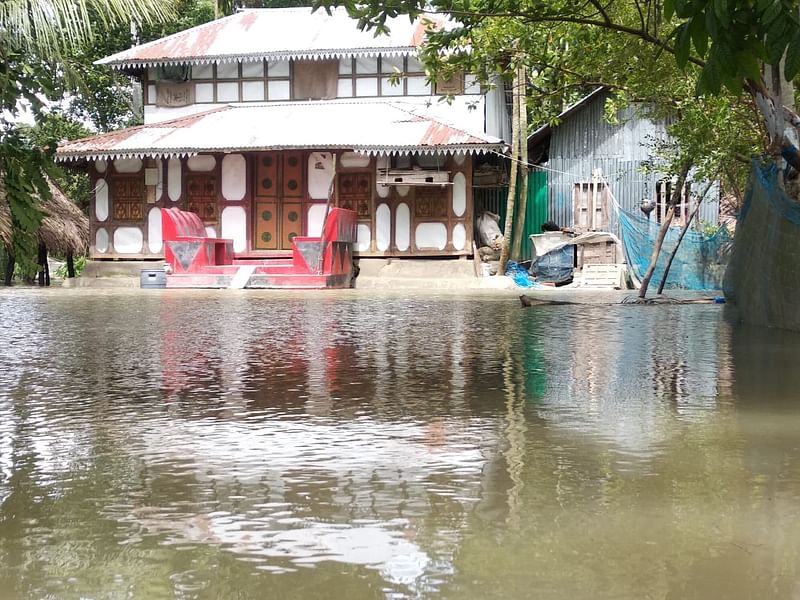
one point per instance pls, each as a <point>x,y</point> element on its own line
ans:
<point>642,34</point>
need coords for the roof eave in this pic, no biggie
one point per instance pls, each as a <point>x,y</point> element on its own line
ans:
<point>122,63</point>
<point>470,149</point>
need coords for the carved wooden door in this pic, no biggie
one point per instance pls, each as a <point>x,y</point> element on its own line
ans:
<point>278,199</point>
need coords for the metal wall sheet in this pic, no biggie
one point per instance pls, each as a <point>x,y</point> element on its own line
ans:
<point>585,142</point>
<point>494,200</point>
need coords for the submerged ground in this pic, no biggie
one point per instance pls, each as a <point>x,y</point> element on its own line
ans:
<point>179,444</point>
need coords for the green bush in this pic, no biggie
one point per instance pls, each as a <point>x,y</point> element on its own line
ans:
<point>80,264</point>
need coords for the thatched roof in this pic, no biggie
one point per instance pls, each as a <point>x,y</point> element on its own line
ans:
<point>64,227</point>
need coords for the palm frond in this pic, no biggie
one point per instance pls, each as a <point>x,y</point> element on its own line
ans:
<point>49,27</point>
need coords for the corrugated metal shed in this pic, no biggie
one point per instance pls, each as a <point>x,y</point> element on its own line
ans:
<point>366,126</point>
<point>276,33</point>
<point>584,142</point>
<point>494,200</point>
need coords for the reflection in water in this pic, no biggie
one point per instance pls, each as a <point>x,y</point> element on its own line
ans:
<point>204,445</point>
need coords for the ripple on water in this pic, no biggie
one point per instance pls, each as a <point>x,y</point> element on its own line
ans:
<point>165,445</point>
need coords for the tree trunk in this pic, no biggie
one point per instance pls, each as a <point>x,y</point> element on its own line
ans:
<point>522,210</point>
<point>680,238</point>
<point>775,102</point>
<point>70,266</point>
<point>662,233</point>
<point>512,184</point>
<point>9,274</point>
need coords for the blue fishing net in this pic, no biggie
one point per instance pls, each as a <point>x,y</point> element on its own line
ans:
<point>698,265</point>
<point>763,279</point>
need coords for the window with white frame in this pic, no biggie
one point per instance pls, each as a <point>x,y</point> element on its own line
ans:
<point>254,81</point>
<point>381,76</point>
<point>683,207</point>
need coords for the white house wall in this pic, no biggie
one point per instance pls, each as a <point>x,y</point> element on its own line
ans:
<point>394,220</point>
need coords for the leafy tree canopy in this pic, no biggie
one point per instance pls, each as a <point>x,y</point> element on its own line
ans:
<point>686,61</point>
<point>35,40</point>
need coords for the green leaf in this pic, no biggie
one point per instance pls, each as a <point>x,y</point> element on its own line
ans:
<point>721,11</point>
<point>792,65</point>
<point>712,26</point>
<point>761,6</point>
<point>734,84</point>
<point>699,33</point>
<point>748,65</point>
<point>710,78</point>
<point>669,9</point>
<point>683,8</point>
<point>777,38</point>
<point>771,13</point>
<point>682,42</point>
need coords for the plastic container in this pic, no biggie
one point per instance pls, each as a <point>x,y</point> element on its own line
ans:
<point>153,278</point>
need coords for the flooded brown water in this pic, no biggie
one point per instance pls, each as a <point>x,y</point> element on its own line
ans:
<point>349,445</point>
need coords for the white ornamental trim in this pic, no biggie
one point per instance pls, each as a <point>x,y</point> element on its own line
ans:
<point>286,55</point>
<point>369,150</point>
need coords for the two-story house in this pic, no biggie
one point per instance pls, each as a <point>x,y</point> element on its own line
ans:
<point>256,120</point>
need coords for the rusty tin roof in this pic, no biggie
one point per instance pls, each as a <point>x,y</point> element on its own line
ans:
<point>364,126</point>
<point>274,33</point>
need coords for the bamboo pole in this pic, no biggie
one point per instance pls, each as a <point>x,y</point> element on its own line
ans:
<point>512,184</point>
<point>522,211</point>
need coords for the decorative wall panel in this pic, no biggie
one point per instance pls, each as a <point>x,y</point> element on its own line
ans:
<point>402,234</point>
<point>201,195</point>
<point>430,202</point>
<point>355,193</point>
<point>127,197</point>
<point>101,240</point>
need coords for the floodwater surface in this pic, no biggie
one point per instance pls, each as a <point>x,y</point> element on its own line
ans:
<point>178,444</point>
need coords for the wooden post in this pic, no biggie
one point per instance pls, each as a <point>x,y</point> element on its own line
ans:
<point>44,271</point>
<point>522,211</point>
<point>9,274</point>
<point>512,184</point>
<point>70,265</point>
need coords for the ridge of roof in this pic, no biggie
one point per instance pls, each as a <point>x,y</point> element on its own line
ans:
<point>572,108</point>
<point>226,40</point>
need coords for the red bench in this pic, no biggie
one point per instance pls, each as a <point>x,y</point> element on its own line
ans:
<point>187,248</point>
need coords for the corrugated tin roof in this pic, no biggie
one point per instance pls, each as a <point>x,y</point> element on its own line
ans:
<point>365,126</point>
<point>545,129</point>
<point>273,33</point>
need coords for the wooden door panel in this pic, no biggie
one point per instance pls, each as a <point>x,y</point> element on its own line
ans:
<point>266,184</point>
<point>292,175</point>
<point>291,223</point>
<point>266,226</point>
